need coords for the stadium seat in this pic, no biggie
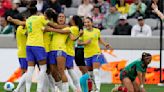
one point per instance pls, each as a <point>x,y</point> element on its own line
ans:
<point>70,11</point>
<point>156,33</point>
<point>107,32</point>
<point>132,21</point>
<point>153,23</point>
<point>76,3</point>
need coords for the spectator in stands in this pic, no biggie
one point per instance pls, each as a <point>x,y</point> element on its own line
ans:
<point>111,18</point>
<point>112,2</point>
<point>141,29</point>
<point>137,9</point>
<point>123,27</point>
<point>6,27</point>
<point>41,6</point>
<point>2,9</point>
<point>21,5</point>
<point>85,9</point>
<point>65,3</point>
<point>7,4</point>
<point>13,11</point>
<point>97,17</point>
<point>104,6</point>
<point>149,11</point>
<point>55,5</point>
<point>122,7</point>
<point>158,12</point>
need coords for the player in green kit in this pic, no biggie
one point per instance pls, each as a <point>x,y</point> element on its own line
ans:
<point>130,72</point>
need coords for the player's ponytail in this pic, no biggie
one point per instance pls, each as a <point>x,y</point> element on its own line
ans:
<point>78,22</point>
<point>51,14</point>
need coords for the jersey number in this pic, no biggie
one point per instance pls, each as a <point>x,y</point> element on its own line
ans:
<point>30,27</point>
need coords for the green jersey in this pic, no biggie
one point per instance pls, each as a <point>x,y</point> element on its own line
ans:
<point>133,68</point>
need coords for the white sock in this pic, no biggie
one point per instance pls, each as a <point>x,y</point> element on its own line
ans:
<point>59,85</point>
<point>41,78</point>
<point>72,86</point>
<point>29,74</point>
<point>74,78</point>
<point>97,78</point>
<point>65,87</point>
<point>46,83</point>
<point>21,82</point>
<point>23,87</point>
<point>51,83</point>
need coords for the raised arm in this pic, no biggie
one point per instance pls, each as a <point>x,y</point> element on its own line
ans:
<point>16,21</point>
<point>56,26</point>
<point>50,29</point>
<point>157,11</point>
<point>74,38</point>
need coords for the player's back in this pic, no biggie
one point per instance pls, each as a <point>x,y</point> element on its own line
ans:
<point>34,26</point>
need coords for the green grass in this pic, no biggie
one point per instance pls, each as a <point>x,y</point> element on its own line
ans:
<point>104,88</point>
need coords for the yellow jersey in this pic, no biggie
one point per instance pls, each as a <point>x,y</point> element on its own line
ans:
<point>47,36</point>
<point>59,41</point>
<point>71,44</point>
<point>34,26</point>
<point>21,42</point>
<point>92,48</point>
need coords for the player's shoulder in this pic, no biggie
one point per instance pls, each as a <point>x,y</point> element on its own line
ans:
<point>74,27</point>
<point>96,29</point>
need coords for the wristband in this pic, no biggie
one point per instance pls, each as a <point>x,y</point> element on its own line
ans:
<point>142,86</point>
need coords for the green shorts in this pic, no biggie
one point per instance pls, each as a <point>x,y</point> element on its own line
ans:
<point>124,74</point>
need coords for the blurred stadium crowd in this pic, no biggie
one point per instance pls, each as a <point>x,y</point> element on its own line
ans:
<point>113,17</point>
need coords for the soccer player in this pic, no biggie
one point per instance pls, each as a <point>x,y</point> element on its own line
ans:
<point>75,32</point>
<point>91,39</point>
<point>130,72</point>
<point>21,39</point>
<point>58,54</point>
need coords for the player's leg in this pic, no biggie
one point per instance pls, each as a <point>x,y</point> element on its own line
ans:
<point>61,64</point>
<point>55,77</point>
<point>71,72</point>
<point>21,85</point>
<point>96,71</point>
<point>30,58</point>
<point>136,86</point>
<point>41,57</point>
<point>128,84</point>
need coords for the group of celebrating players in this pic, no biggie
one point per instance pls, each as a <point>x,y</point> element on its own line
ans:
<point>47,41</point>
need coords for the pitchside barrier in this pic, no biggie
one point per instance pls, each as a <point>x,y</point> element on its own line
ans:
<point>126,49</point>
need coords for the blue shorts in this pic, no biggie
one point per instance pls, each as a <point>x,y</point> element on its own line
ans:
<point>69,61</point>
<point>96,58</point>
<point>54,55</point>
<point>23,63</point>
<point>35,53</point>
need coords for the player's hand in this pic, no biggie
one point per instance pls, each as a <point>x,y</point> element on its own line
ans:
<point>143,90</point>
<point>9,18</point>
<point>154,6</point>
